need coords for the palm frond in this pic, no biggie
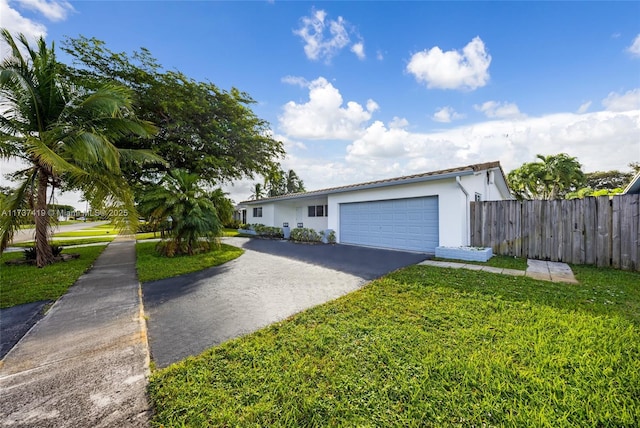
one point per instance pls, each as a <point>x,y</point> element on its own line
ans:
<point>12,208</point>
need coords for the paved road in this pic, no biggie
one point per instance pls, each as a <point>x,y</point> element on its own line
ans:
<point>23,235</point>
<point>270,282</point>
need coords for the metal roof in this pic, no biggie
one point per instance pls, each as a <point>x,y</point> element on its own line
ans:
<point>415,178</point>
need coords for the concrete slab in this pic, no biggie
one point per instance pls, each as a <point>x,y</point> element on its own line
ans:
<point>85,364</point>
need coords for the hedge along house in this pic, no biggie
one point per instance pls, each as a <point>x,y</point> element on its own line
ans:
<point>416,212</point>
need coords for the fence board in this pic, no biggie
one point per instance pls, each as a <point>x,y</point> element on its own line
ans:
<point>600,231</point>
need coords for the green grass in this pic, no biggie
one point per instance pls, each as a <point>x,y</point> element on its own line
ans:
<point>152,266</point>
<point>504,262</point>
<point>95,231</point>
<point>25,283</point>
<point>427,347</point>
<point>68,242</point>
<point>230,232</point>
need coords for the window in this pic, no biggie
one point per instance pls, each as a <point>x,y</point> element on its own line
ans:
<point>257,212</point>
<point>318,211</point>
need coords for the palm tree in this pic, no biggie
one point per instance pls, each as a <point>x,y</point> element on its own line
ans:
<point>551,178</point>
<point>294,183</point>
<point>65,135</point>
<point>179,200</point>
<point>258,191</point>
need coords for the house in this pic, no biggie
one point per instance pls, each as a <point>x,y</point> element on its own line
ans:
<point>416,212</point>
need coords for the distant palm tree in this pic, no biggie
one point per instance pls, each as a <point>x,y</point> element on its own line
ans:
<point>179,200</point>
<point>294,183</point>
<point>64,134</point>
<point>258,191</point>
<point>551,178</point>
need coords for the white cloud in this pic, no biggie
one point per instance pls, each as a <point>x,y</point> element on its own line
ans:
<point>499,110</point>
<point>398,122</point>
<point>358,49</point>
<point>453,69</point>
<point>296,81</point>
<point>584,107</point>
<point>379,55</point>
<point>630,100</point>
<point>324,116</point>
<point>17,24</point>
<point>52,10</point>
<point>634,49</point>
<point>446,115</point>
<point>324,37</point>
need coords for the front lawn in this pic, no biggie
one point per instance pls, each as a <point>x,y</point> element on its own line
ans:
<point>25,283</point>
<point>152,266</point>
<point>426,346</point>
<point>69,241</point>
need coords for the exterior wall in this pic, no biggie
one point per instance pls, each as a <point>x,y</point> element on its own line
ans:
<point>275,213</point>
<point>453,205</point>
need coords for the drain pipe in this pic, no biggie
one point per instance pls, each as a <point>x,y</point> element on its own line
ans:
<point>466,209</point>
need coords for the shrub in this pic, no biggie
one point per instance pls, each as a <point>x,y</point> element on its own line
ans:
<point>329,235</point>
<point>300,234</point>
<point>30,253</point>
<point>267,231</point>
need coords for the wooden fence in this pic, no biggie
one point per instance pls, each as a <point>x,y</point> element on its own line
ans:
<point>594,230</point>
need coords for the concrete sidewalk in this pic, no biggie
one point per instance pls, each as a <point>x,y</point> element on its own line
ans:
<point>86,363</point>
<point>536,269</point>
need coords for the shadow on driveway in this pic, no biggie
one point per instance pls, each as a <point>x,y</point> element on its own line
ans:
<point>365,262</point>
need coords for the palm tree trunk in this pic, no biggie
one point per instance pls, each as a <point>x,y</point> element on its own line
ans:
<point>44,255</point>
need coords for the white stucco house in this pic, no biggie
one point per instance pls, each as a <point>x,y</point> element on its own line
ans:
<point>416,212</point>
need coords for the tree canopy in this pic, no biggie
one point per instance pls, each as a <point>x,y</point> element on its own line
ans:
<point>551,177</point>
<point>65,133</point>
<point>203,129</point>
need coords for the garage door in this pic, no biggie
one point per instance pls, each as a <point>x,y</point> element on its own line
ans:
<point>405,224</point>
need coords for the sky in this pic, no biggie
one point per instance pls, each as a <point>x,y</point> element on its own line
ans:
<point>359,91</point>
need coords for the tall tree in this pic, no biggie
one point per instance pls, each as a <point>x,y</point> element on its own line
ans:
<point>552,177</point>
<point>203,129</point>
<point>294,183</point>
<point>64,134</point>
<point>258,191</point>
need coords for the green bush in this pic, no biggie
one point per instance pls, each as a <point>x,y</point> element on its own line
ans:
<point>330,235</point>
<point>30,253</point>
<point>267,231</point>
<point>300,234</point>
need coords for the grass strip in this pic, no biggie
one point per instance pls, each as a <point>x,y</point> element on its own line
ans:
<point>88,232</point>
<point>26,283</point>
<point>504,262</point>
<point>425,346</point>
<point>68,242</point>
<point>152,266</point>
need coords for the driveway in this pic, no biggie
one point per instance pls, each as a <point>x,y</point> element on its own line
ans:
<point>270,282</point>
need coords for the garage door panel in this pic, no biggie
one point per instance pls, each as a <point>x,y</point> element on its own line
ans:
<point>409,224</point>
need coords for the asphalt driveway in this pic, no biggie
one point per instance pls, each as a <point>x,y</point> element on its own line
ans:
<point>270,282</point>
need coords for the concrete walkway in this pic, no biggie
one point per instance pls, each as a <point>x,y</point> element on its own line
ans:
<point>536,269</point>
<point>86,363</point>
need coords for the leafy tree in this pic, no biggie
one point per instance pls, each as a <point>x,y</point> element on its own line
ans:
<point>608,180</point>
<point>294,183</point>
<point>180,200</point>
<point>279,183</point>
<point>202,128</point>
<point>65,134</point>
<point>551,178</point>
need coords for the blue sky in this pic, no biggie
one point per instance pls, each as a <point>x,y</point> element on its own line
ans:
<point>367,90</point>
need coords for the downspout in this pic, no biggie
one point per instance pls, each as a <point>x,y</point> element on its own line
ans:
<point>466,209</point>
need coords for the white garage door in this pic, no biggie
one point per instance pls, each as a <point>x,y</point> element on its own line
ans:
<point>405,224</point>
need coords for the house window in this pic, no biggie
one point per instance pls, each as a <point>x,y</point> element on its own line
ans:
<point>257,212</point>
<point>318,211</point>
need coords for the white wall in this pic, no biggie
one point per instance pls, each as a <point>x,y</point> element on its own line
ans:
<point>453,205</point>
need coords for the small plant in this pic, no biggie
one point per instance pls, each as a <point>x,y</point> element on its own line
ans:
<point>268,231</point>
<point>30,253</point>
<point>300,234</point>
<point>329,236</point>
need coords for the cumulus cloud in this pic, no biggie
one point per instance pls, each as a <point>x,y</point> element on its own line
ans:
<point>499,110</point>
<point>512,142</point>
<point>446,115</point>
<point>453,69</point>
<point>630,100</point>
<point>324,38</point>
<point>52,10</point>
<point>398,122</point>
<point>296,81</point>
<point>324,116</point>
<point>634,49</point>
